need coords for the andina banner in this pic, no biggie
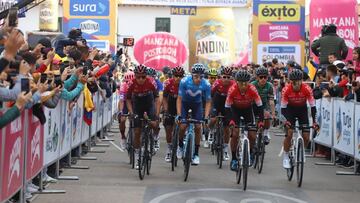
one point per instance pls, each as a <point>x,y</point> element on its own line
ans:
<point>160,49</point>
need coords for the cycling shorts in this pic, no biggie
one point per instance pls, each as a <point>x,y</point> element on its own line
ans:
<point>247,114</point>
<point>301,113</point>
<point>196,108</point>
<point>142,105</point>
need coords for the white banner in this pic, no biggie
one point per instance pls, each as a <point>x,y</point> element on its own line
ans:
<point>52,134</point>
<point>94,113</point>
<point>77,120</point>
<point>65,132</point>
<point>100,111</point>
<point>325,120</point>
<point>343,123</point>
<point>109,110</point>
<point>204,3</point>
<point>357,131</point>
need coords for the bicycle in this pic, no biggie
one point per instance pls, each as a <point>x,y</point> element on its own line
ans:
<point>147,148</point>
<point>243,153</point>
<point>259,151</point>
<point>174,143</point>
<point>129,141</point>
<point>297,155</point>
<point>189,144</point>
<point>218,143</point>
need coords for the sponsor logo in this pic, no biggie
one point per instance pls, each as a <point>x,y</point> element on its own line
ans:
<point>193,94</point>
<point>35,147</point>
<point>100,27</point>
<point>279,12</point>
<point>213,47</point>
<point>14,165</point>
<point>89,7</point>
<point>183,10</point>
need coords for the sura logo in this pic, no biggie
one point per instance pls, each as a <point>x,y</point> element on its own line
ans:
<point>14,166</point>
<point>89,27</point>
<point>98,8</point>
<point>279,12</point>
<point>35,146</point>
<point>213,47</point>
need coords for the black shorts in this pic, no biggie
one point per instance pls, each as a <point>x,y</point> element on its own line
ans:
<point>247,114</point>
<point>142,105</point>
<point>170,120</point>
<point>218,107</point>
<point>301,113</point>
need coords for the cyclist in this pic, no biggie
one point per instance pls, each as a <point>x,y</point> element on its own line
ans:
<point>171,89</point>
<point>191,91</point>
<point>128,77</point>
<point>213,75</point>
<point>219,92</point>
<point>239,104</point>
<point>293,105</point>
<point>152,73</point>
<point>142,95</point>
<point>266,92</point>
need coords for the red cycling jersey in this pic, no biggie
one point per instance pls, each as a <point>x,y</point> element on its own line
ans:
<point>170,88</point>
<point>289,97</point>
<point>242,100</point>
<point>220,88</point>
<point>135,89</point>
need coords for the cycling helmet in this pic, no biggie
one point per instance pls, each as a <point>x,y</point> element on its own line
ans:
<point>198,68</point>
<point>296,74</point>
<point>129,76</point>
<point>151,72</point>
<point>226,70</point>
<point>213,72</point>
<point>178,71</point>
<point>262,71</point>
<point>140,69</point>
<point>242,76</point>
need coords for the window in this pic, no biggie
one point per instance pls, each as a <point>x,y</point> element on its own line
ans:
<point>162,25</point>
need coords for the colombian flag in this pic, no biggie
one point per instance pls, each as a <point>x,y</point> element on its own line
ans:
<point>88,106</point>
<point>311,69</point>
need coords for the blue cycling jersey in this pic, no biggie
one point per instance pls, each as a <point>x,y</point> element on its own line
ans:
<point>194,93</point>
<point>160,86</point>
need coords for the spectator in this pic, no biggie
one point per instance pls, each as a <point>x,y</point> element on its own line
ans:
<point>331,58</point>
<point>356,58</point>
<point>328,43</point>
<point>14,112</point>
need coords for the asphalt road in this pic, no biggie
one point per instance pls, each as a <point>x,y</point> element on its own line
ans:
<point>110,179</point>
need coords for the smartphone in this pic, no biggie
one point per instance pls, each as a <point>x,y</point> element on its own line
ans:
<point>25,85</point>
<point>57,80</point>
<point>85,70</point>
<point>13,16</point>
<point>43,77</point>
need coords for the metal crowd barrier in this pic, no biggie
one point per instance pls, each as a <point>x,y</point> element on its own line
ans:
<point>27,147</point>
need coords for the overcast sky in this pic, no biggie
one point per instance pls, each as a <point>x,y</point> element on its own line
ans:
<point>307,2</point>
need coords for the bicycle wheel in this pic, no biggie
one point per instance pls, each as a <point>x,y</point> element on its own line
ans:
<point>150,153</point>
<point>239,158</point>
<point>245,164</point>
<point>300,162</point>
<point>130,148</point>
<point>187,158</point>
<point>213,144</point>
<point>175,141</point>
<point>261,155</point>
<point>256,150</point>
<point>142,161</point>
<point>220,146</point>
<point>290,171</point>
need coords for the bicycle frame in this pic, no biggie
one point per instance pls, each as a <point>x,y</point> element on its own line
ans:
<point>242,139</point>
<point>190,134</point>
<point>296,142</point>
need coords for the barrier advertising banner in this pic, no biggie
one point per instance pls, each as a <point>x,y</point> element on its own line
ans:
<point>13,162</point>
<point>95,114</point>
<point>344,126</point>
<point>325,120</point>
<point>84,132</point>
<point>160,49</point>
<point>342,13</point>
<point>97,20</point>
<point>65,132</point>
<point>35,146</point>
<point>76,121</point>
<point>357,131</point>
<point>212,37</point>
<point>100,112</point>
<point>278,30</point>
<point>52,134</point>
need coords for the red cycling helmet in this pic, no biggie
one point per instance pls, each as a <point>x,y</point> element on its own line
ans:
<point>140,69</point>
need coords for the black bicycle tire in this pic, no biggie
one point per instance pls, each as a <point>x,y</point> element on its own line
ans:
<point>238,172</point>
<point>174,143</point>
<point>290,171</point>
<point>221,145</point>
<point>150,152</point>
<point>245,165</point>
<point>143,156</point>
<point>261,157</point>
<point>300,163</point>
<point>187,159</point>
<point>257,150</point>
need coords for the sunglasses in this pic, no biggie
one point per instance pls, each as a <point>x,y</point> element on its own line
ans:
<point>212,78</point>
<point>263,77</point>
<point>140,76</point>
<point>197,76</point>
<point>242,84</point>
<point>226,77</point>
<point>178,76</point>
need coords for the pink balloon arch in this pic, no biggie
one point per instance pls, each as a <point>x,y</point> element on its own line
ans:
<point>160,49</point>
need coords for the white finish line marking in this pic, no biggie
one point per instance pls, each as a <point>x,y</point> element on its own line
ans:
<point>115,145</point>
<point>168,195</point>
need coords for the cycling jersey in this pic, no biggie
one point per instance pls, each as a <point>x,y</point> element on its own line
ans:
<point>159,85</point>
<point>266,92</point>
<point>135,89</point>
<point>219,92</point>
<point>170,88</point>
<point>123,90</point>
<point>242,100</point>
<point>292,98</point>
<point>194,93</point>
<point>220,88</point>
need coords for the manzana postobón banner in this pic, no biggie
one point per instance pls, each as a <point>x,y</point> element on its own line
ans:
<point>160,49</point>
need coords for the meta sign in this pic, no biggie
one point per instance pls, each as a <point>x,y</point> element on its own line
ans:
<point>95,18</point>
